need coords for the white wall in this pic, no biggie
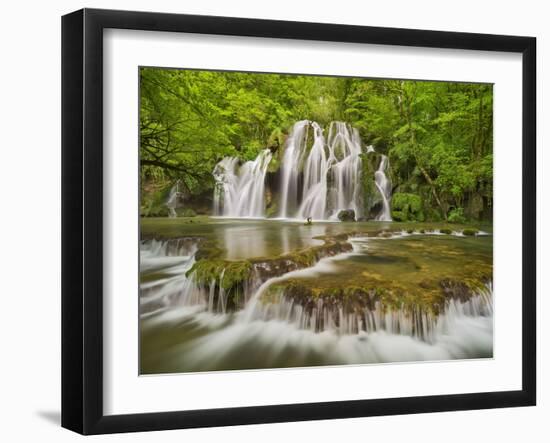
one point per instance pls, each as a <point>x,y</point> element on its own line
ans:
<point>30,189</point>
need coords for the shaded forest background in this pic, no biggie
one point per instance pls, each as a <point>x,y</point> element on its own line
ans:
<point>437,135</point>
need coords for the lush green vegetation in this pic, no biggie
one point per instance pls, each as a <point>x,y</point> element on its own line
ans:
<point>438,135</point>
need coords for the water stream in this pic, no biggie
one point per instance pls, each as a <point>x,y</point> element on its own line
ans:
<point>188,327</point>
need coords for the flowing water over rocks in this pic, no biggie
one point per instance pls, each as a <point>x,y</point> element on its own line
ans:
<point>319,177</point>
<point>345,296</point>
<point>239,190</point>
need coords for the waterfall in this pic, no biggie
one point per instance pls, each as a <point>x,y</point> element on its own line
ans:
<point>290,166</point>
<point>345,146</point>
<point>204,323</point>
<point>239,190</point>
<point>178,290</point>
<point>319,316</point>
<point>172,200</point>
<point>319,177</point>
<point>384,187</point>
<point>315,178</point>
<point>331,172</point>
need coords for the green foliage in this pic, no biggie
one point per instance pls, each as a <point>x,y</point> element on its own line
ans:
<point>456,216</point>
<point>433,214</point>
<point>438,135</point>
<point>153,201</point>
<point>406,207</point>
<point>186,212</point>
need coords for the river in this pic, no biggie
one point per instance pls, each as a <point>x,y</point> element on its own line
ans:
<point>379,292</point>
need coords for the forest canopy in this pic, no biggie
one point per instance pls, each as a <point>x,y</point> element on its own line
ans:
<point>437,135</point>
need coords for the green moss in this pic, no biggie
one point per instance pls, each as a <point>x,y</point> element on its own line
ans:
<point>346,215</point>
<point>235,273</point>
<point>272,209</point>
<point>470,231</point>
<point>407,207</point>
<point>186,212</point>
<point>446,231</point>
<point>153,202</point>
<point>370,192</point>
<point>410,231</point>
<point>304,258</point>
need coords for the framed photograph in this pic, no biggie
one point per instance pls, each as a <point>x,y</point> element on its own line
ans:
<point>270,221</point>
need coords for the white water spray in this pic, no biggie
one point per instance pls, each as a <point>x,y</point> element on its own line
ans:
<point>331,172</point>
<point>172,200</point>
<point>239,190</point>
<point>290,166</point>
<point>383,185</point>
<point>316,181</point>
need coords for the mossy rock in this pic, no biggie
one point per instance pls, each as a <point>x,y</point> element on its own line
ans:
<point>372,200</point>
<point>470,231</point>
<point>235,273</point>
<point>272,209</point>
<point>346,215</point>
<point>446,231</point>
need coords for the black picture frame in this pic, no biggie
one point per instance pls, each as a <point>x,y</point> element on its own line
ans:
<point>82,220</point>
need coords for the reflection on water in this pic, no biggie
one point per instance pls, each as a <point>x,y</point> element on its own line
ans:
<point>255,240</point>
<point>248,238</point>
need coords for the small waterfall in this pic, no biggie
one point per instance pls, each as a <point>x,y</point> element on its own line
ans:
<point>215,333</point>
<point>345,146</point>
<point>176,289</point>
<point>239,190</point>
<point>290,167</point>
<point>172,200</point>
<point>172,259</point>
<point>315,178</point>
<point>321,316</point>
<point>383,185</point>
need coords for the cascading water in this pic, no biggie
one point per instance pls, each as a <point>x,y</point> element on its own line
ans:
<point>331,172</point>
<point>384,187</point>
<point>280,328</point>
<point>316,181</point>
<point>315,178</point>
<point>239,190</point>
<point>346,192</point>
<point>172,200</point>
<point>290,166</point>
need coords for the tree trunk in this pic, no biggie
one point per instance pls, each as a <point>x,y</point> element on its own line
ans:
<point>412,137</point>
